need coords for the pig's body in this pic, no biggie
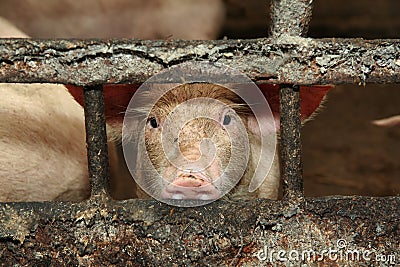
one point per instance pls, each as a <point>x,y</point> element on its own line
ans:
<point>184,174</point>
<point>145,19</point>
<point>42,144</point>
<point>42,141</point>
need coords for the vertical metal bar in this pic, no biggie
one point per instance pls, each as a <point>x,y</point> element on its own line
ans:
<point>96,140</point>
<point>292,171</point>
<point>290,17</point>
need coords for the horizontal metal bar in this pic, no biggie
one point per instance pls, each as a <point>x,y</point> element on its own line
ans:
<point>148,233</point>
<point>285,60</point>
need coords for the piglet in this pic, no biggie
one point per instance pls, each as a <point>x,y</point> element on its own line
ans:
<point>201,139</point>
<point>195,151</point>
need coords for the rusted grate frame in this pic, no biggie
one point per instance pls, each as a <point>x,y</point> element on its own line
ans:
<point>102,231</point>
<point>96,139</point>
<point>285,60</point>
<point>292,173</point>
<point>291,165</point>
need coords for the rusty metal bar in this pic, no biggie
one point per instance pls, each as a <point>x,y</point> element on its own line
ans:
<point>285,60</point>
<point>291,165</point>
<point>149,233</point>
<point>290,17</point>
<point>96,140</point>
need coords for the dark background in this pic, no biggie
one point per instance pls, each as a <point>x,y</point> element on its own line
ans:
<point>343,153</point>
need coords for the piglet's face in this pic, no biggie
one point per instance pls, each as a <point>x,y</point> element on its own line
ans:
<point>196,139</point>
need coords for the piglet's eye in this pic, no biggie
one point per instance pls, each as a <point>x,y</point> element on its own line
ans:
<point>153,122</point>
<point>227,120</point>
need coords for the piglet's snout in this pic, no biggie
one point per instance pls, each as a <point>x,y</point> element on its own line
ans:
<point>191,185</point>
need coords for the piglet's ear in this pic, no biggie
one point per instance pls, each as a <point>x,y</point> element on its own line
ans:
<point>116,98</point>
<point>311,98</point>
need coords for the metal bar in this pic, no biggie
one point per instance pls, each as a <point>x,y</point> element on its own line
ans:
<point>96,140</point>
<point>285,60</point>
<point>148,233</point>
<point>290,17</point>
<point>290,141</point>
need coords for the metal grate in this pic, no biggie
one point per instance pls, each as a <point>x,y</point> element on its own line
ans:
<point>102,231</point>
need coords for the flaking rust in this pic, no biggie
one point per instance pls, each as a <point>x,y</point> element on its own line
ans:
<point>117,233</point>
<point>284,59</point>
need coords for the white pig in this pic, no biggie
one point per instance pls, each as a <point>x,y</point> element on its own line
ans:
<point>42,141</point>
<point>145,19</point>
<point>42,144</point>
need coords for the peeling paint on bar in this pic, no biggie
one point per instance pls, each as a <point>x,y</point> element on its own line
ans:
<point>285,60</point>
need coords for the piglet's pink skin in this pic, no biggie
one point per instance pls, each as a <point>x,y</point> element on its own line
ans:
<point>42,141</point>
<point>117,97</point>
<point>42,144</point>
<point>144,19</point>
